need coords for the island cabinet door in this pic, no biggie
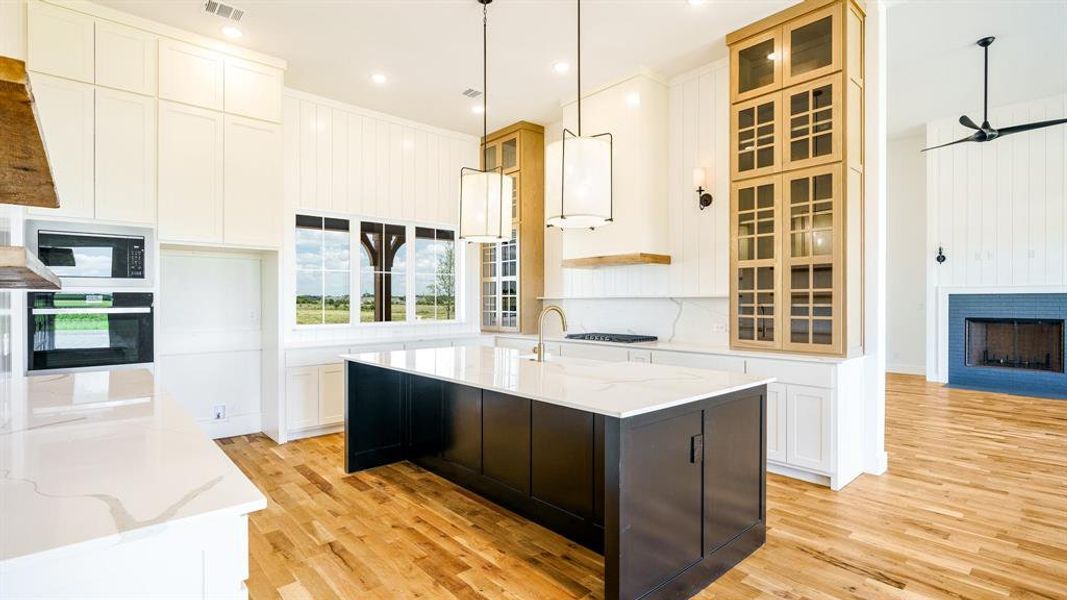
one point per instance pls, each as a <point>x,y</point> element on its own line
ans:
<point>734,466</point>
<point>374,416</point>
<point>427,416</point>
<point>660,500</point>
<point>463,426</point>
<point>562,458</point>
<point>506,440</point>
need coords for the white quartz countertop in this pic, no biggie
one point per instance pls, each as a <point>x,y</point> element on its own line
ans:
<point>614,389</point>
<point>89,458</point>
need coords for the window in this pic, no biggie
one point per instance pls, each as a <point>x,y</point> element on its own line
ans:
<point>323,274</point>
<point>500,284</point>
<point>382,273</point>
<point>435,274</point>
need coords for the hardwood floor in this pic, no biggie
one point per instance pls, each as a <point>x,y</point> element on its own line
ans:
<point>974,506</point>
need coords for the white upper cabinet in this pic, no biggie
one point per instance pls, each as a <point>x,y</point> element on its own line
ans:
<point>125,157</point>
<point>126,58</point>
<point>253,183</point>
<point>65,110</point>
<point>190,173</point>
<point>191,74</point>
<point>253,89</point>
<point>60,42</point>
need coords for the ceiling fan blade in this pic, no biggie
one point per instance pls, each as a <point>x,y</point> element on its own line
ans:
<point>967,122</point>
<point>1029,127</point>
<point>970,138</point>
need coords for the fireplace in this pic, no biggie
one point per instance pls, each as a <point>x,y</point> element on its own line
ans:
<point>1035,344</point>
<point>1010,343</point>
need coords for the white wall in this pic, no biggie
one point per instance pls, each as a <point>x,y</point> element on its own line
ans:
<point>347,161</point>
<point>906,260</point>
<point>998,211</point>
<point>209,343</point>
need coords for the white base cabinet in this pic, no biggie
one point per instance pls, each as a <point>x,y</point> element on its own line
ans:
<point>314,396</point>
<point>331,394</point>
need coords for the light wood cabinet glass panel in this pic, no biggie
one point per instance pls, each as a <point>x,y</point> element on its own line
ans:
<point>756,221</point>
<point>756,66</point>
<point>490,161</point>
<point>756,303</point>
<point>814,123</point>
<point>811,304</point>
<point>756,137</point>
<point>811,216</point>
<point>509,154</point>
<point>812,46</point>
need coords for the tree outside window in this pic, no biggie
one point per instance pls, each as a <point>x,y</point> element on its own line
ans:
<point>435,274</point>
<point>323,271</point>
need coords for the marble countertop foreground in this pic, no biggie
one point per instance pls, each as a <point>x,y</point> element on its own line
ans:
<point>614,389</point>
<point>92,457</point>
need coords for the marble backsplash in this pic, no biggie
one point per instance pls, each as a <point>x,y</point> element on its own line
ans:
<point>700,321</point>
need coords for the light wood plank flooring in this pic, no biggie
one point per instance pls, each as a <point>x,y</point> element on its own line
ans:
<point>974,506</point>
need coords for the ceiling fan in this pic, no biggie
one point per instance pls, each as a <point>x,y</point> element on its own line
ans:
<point>986,133</point>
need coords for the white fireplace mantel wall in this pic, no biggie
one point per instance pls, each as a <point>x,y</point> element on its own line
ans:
<point>998,211</point>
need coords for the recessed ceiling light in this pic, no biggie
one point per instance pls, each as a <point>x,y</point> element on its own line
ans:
<point>477,109</point>
<point>231,32</point>
<point>379,78</point>
<point>561,67</point>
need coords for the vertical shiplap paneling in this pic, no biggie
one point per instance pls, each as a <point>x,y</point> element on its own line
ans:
<point>339,161</point>
<point>675,183</point>
<point>431,193</point>
<point>998,208</point>
<point>291,151</point>
<point>707,235</point>
<point>381,197</point>
<point>395,185</point>
<point>690,135</point>
<point>720,207</point>
<point>323,158</point>
<point>407,191</point>
<point>354,202</point>
<point>423,210</point>
<point>370,167</point>
<point>307,154</point>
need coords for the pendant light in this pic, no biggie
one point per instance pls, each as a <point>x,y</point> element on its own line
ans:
<point>484,195</point>
<point>585,199</point>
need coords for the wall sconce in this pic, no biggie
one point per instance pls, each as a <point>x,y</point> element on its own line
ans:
<point>703,196</point>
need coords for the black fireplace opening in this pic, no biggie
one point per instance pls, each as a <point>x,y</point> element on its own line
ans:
<point>1032,344</point>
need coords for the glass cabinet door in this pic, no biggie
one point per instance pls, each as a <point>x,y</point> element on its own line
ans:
<point>813,123</point>
<point>756,66</point>
<point>755,260</point>
<point>756,137</point>
<point>509,154</point>
<point>812,281</point>
<point>812,46</point>
<point>491,159</point>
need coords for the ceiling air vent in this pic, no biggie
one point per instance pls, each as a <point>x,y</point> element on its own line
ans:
<point>223,10</point>
<point>471,93</point>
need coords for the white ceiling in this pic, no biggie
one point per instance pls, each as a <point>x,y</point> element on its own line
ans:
<point>431,49</point>
<point>935,68</point>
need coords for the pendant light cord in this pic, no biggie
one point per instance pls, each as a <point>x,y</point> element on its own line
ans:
<point>485,75</point>
<point>579,68</point>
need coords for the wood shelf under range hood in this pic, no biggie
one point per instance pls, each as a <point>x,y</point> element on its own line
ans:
<point>617,260</point>
<point>20,269</point>
<point>25,176</point>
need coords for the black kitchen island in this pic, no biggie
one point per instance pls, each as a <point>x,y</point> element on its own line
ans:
<point>661,469</point>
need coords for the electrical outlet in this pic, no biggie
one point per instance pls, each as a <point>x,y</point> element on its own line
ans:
<point>220,412</point>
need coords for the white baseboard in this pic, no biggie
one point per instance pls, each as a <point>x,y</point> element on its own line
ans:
<point>231,426</point>
<point>314,431</point>
<point>800,474</point>
<point>905,369</point>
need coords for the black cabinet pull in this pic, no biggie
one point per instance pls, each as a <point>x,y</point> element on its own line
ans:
<point>696,448</point>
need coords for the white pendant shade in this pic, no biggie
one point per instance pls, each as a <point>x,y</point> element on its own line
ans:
<point>485,206</point>
<point>579,170</point>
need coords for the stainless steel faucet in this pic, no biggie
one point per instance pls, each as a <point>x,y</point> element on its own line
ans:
<point>540,349</point>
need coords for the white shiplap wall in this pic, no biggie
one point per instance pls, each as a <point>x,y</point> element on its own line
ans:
<point>698,136</point>
<point>348,161</point>
<point>998,210</point>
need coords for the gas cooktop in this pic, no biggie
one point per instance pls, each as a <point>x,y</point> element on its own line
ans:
<point>623,338</point>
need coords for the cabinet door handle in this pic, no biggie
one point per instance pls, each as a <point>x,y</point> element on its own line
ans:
<point>696,448</point>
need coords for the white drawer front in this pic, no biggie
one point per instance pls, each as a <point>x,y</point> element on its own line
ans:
<point>792,371</point>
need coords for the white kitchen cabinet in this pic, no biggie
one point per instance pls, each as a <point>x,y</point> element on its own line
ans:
<point>65,110</point>
<point>332,394</point>
<point>125,174</point>
<point>699,361</point>
<point>808,435</point>
<point>253,89</point>
<point>59,42</point>
<point>126,58</point>
<point>592,352</point>
<point>190,74</point>
<point>776,422</point>
<point>252,183</point>
<point>190,173</point>
<point>302,397</point>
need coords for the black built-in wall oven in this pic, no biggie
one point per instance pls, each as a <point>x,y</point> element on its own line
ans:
<point>88,330</point>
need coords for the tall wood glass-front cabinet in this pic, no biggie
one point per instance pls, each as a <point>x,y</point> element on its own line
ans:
<point>796,168</point>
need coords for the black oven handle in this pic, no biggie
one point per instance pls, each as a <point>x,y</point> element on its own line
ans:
<point>93,311</point>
